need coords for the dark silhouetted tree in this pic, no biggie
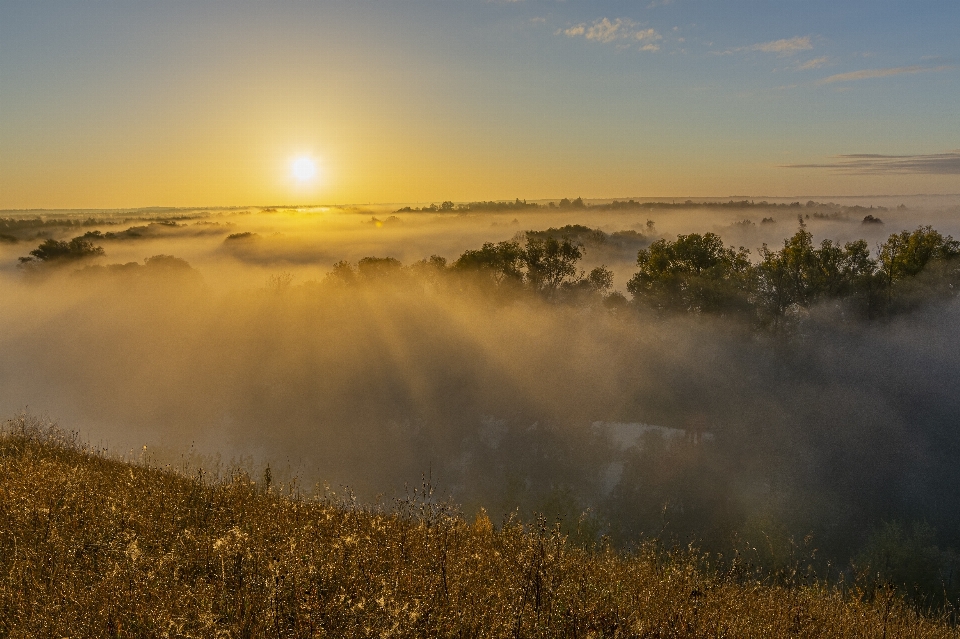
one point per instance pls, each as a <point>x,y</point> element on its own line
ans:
<point>374,268</point>
<point>63,251</point>
<point>502,262</point>
<point>342,273</point>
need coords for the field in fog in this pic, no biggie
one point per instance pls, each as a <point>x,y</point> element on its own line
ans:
<point>690,426</point>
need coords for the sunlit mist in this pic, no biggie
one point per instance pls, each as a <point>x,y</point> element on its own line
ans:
<point>609,280</point>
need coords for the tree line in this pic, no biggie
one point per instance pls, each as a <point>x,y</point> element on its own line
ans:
<point>699,274</point>
<point>695,273</point>
<point>817,209</point>
<point>545,265</point>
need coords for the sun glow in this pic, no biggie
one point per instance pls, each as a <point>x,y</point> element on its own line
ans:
<point>304,169</point>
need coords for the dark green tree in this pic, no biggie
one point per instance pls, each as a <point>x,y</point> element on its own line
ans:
<point>905,254</point>
<point>501,262</point>
<point>694,273</point>
<point>801,274</point>
<point>551,262</point>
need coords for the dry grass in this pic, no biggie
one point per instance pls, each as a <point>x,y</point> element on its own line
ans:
<point>95,547</point>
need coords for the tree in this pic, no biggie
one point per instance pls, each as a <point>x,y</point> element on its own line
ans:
<point>63,251</point>
<point>694,273</point>
<point>342,273</point>
<point>800,274</point>
<point>576,204</point>
<point>373,268</point>
<point>432,263</point>
<point>502,261</point>
<point>429,269</point>
<point>905,254</point>
<point>842,270</point>
<point>577,233</point>
<point>550,262</point>
<point>600,279</point>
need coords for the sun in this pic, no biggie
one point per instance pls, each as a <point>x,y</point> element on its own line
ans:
<point>304,169</point>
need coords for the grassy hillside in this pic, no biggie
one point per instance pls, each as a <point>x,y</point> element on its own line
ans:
<point>95,547</point>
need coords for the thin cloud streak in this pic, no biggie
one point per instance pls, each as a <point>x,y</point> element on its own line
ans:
<point>875,164</point>
<point>606,31</point>
<point>816,63</point>
<point>867,74</point>
<point>782,47</point>
<point>788,45</point>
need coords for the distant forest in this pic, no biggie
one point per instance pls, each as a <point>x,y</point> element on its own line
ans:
<point>817,209</point>
<point>698,274</point>
<point>695,273</point>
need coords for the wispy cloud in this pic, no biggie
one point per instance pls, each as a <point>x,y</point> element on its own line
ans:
<point>875,164</point>
<point>866,74</point>
<point>647,34</point>
<point>607,30</point>
<point>816,63</point>
<point>785,46</point>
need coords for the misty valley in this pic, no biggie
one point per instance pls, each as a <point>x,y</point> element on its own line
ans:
<point>488,319</point>
<point>773,383</point>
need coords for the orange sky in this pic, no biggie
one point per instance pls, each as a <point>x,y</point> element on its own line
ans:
<point>209,103</point>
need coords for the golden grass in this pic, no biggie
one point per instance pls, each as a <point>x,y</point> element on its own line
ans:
<point>96,547</point>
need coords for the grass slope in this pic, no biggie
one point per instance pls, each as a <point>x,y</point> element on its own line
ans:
<point>94,547</point>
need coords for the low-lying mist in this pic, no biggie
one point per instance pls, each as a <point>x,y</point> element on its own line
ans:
<point>842,429</point>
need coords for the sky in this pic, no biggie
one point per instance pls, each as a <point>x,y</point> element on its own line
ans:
<point>109,104</point>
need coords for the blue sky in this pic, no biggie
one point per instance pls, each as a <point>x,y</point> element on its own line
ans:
<point>203,103</point>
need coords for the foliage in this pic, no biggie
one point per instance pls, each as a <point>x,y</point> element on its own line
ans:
<point>502,262</point>
<point>342,273</point>
<point>245,236</point>
<point>430,269</point>
<point>577,233</point>
<point>470,207</point>
<point>697,273</point>
<point>158,270</point>
<point>800,274</point>
<point>372,268</point>
<point>62,251</point>
<point>905,254</point>
<point>694,273</point>
<point>600,279</point>
<point>576,204</point>
<point>550,262</point>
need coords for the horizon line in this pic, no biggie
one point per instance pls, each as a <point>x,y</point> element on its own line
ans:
<point>648,199</point>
